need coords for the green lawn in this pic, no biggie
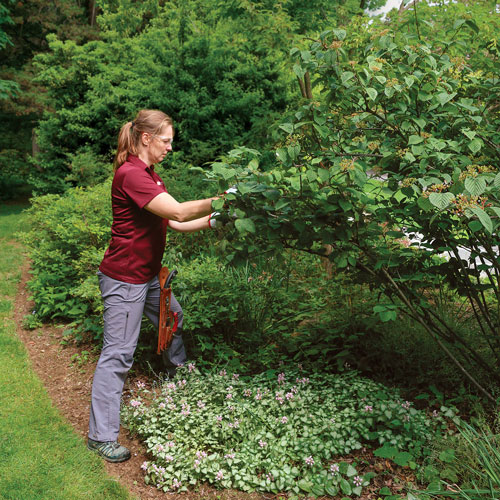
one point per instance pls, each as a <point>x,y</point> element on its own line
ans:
<point>41,458</point>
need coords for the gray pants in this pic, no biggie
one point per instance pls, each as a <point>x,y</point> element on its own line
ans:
<point>124,305</point>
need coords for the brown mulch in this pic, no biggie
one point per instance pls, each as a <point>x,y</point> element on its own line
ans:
<point>66,371</point>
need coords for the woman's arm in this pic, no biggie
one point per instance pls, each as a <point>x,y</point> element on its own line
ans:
<point>168,207</point>
<point>191,226</point>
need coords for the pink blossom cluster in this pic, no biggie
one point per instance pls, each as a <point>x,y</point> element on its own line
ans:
<point>200,404</point>
<point>281,378</point>
<point>368,408</point>
<point>223,373</point>
<point>262,443</point>
<point>219,476</point>
<point>357,481</point>
<point>134,403</point>
<point>309,461</point>
<point>334,468</point>
<point>176,484</point>
<point>191,367</point>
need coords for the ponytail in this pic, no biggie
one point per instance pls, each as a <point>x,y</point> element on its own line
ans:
<point>147,120</point>
<point>125,145</point>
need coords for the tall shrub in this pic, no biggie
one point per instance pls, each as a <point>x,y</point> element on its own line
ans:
<point>390,168</point>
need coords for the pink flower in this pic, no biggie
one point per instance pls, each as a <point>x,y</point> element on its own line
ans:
<point>135,403</point>
<point>334,468</point>
<point>229,396</point>
<point>223,373</point>
<point>162,405</point>
<point>219,418</point>
<point>357,481</point>
<point>200,404</point>
<point>219,476</point>
<point>144,466</point>
<point>176,484</point>
<point>368,408</point>
<point>236,376</point>
<point>284,420</point>
<point>191,367</point>
<point>406,405</point>
<point>309,461</point>
<point>281,378</point>
<point>141,385</point>
<point>262,444</point>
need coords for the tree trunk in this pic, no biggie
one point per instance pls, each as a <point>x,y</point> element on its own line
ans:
<point>92,12</point>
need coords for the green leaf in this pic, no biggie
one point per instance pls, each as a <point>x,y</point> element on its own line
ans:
<point>372,93</point>
<point>287,127</point>
<point>496,182</point>
<point>282,154</point>
<point>471,24</point>
<point>441,200</point>
<point>331,490</point>
<point>402,458</point>
<point>484,218</point>
<point>299,71</point>
<point>351,471</point>
<point>458,23</point>
<point>245,225</point>
<point>346,76</point>
<point>475,185</point>
<point>475,145</point>
<point>307,486</point>
<point>444,97</point>
<point>386,451</point>
<point>385,491</point>
<point>415,139</point>
<point>469,133</point>
<point>424,204</point>
<point>345,487</point>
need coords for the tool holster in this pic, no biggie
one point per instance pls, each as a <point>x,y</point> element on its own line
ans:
<point>168,320</point>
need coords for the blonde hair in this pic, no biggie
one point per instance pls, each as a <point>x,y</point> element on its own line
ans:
<point>147,120</point>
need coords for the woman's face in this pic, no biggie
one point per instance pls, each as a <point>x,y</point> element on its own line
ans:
<point>160,144</point>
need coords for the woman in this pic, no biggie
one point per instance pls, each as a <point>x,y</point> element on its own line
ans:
<point>128,274</point>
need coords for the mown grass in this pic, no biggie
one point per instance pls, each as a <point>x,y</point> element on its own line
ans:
<point>41,457</point>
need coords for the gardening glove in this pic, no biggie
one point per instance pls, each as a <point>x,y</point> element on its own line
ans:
<point>213,222</point>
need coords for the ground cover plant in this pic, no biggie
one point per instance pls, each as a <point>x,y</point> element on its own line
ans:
<point>280,431</point>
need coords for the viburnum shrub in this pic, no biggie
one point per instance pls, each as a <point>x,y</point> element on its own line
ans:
<point>280,431</point>
<point>390,169</point>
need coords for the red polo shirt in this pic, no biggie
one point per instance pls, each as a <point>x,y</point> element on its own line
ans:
<point>137,235</point>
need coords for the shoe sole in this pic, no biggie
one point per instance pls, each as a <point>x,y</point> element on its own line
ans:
<point>112,460</point>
